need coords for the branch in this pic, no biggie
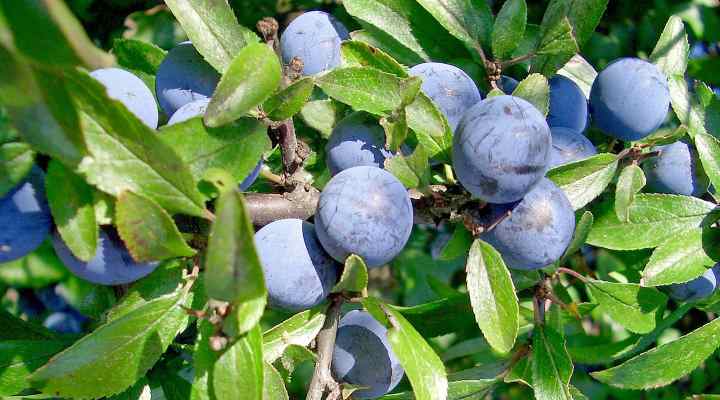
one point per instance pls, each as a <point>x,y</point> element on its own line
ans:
<point>265,208</point>
<point>322,379</point>
<point>517,60</point>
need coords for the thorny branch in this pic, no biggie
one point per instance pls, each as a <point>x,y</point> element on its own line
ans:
<point>322,380</point>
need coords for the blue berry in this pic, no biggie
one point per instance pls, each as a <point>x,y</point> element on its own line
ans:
<point>677,170</point>
<point>130,90</point>
<point>568,146</point>
<point>356,141</point>
<point>315,38</point>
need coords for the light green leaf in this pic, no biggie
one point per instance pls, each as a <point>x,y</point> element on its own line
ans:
<point>235,148</point>
<point>354,277</point>
<point>204,360</point>
<point>289,101</point>
<point>630,305</point>
<point>471,21</point>
<point>244,316</point>
<point>671,51</point>
<point>19,358</point>
<point>363,88</point>
<point>708,148</point>
<point>582,230</point>
<point>232,268</point>
<point>413,170</point>
<point>557,41</point>
<point>138,55</point>
<point>422,366</point>
<point>651,369</point>
<point>654,218</point>
<point>379,39</point>
<point>322,115</point>
<point>250,79</point>
<point>148,231</point>
<point>509,28</point>
<point>465,389</point>
<point>36,270</point>
<point>551,365</point>
<point>493,297</point>
<point>584,180</point>
<point>213,29</point>
<point>360,54</point>
<point>71,203</point>
<point>299,330</point>
<point>240,369</point>
<point>117,353</point>
<point>581,72</point>
<point>127,155</point>
<point>396,129</point>
<point>630,182</point>
<point>273,384</point>
<point>16,159</point>
<point>536,90</point>
<point>494,93</point>
<point>683,257</point>
<point>431,128</point>
<point>686,107</point>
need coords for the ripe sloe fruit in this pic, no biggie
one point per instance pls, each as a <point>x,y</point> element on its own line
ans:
<point>190,110</point>
<point>697,289</point>
<point>677,170</point>
<point>315,38</point>
<point>299,274</point>
<point>66,322</point>
<point>356,141</point>
<point>364,211</point>
<point>568,145</point>
<point>130,90</point>
<point>508,84</point>
<point>568,105</point>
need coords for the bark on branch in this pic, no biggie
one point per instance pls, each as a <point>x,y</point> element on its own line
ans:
<point>265,208</point>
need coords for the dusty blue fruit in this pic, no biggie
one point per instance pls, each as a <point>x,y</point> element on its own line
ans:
<point>356,141</point>
<point>252,177</point>
<point>501,149</point>
<point>50,299</point>
<point>183,77</point>
<point>130,90</point>
<point>299,274</point>
<point>677,170</point>
<point>698,288</point>
<point>364,211</point>
<point>568,105</point>
<point>66,322</point>
<point>629,99</point>
<point>190,110</point>
<point>568,145</point>
<point>451,89</point>
<point>508,84</point>
<point>363,356</point>
<point>24,217</point>
<point>539,228</point>
<point>315,38</point>
<point>112,264</point>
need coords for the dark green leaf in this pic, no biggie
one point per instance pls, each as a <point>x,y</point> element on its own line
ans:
<point>204,360</point>
<point>363,88</point>
<point>509,28</point>
<point>493,297</point>
<point>440,317</point>
<point>148,231</point>
<point>654,218</point>
<point>16,159</point>
<point>465,389</point>
<point>470,21</point>
<point>683,257</point>
<point>708,148</point>
<point>396,129</point>
<point>250,79</point>
<point>630,182</point>
<point>36,270</point>
<point>652,369</point>
<point>240,368</point>
<point>138,55</point>
<point>213,29</point>
<point>630,305</point>
<point>360,54</point>
<point>413,170</point>
<point>232,268</point>
<point>127,155</point>
<point>671,51</point>
<point>71,203</point>
<point>558,41</point>
<point>289,101</point>
<point>551,365</point>
<point>536,90</point>
<point>354,277</point>
<point>15,328</point>
<point>89,299</point>
<point>19,358</point>
<point>458,245</point>
<point>299,330</point>
<point>431,128</point>
<point>582,230</point>
<point>584,180</point>
<point>322,115</point>
<point>379,39</point>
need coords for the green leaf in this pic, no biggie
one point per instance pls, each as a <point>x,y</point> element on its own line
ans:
<point>62,41</point>
<point>204,360</point>
<point>360,54</point>
<point>471,21</point>
<point>494,93</point>
<point>396,129</point>
<point>15,328</point>
<point>363,88</point>
<point>322,115</point>
<point>117,353</point>
<point>289,101</point>
<point>440,317</point>
<point>465,389</point>
<point>652,369</point>
<point>413,170</point>
<point>551,365</point>
<point>458,245</point>
<point>584,180</point>
<point>683,257</point>
<point>686,107</point>
<point>509,28</point>
<point>630,182</point>
<point>299,330</point>
<point>493,297</point>
<point>557,41</point>
<point>36,270</point>
<point>581,72</point>
<point>536,90</point>
<point>244,317</point>
<point>89,299</point>
<point>354,277</point>
<point>431,128</point>
<point>138,55</point>
<point>671,51</point>
<point>273,384</point>
<point>16,160</point>
<point>654,218</point>
<point>148,231</point>
<point>232,268</point>
<point>582,230</point>
<point>240,368</point>
<point>630,305</point>
<point>71,203</point>
<point>250,79</point>
<point>381,40</point>
<point>213,29</point>
<point>708,148</point>
<point>127,155</point>
<point>19,358</point>
<point>422,366</point>
<point>235,148</point>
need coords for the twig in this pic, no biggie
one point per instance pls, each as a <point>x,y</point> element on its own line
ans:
<point>265,208</point>
<point>539,305</point>
<point>322,379</point>
<point>568,271</point>
<point>517,60</point>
